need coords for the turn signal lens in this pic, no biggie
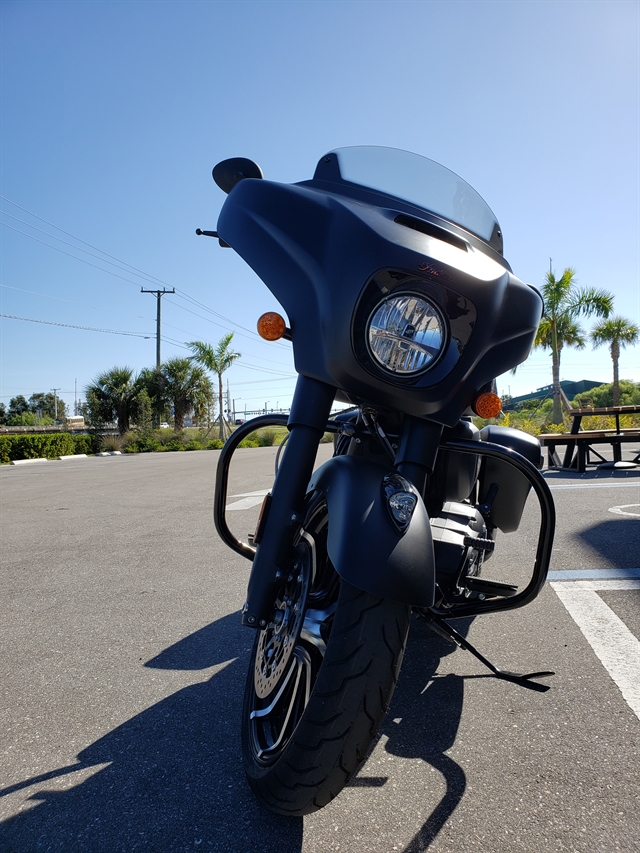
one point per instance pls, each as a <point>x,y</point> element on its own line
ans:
<point>271,326</point>
<point>487,405</point>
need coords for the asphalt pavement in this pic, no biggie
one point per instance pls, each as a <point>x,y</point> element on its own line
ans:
<point>123,664</point>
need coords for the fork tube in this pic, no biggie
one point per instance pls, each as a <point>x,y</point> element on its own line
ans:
<point>417,450</point>
<point>309,414</point>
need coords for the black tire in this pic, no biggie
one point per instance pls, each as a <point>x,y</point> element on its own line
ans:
<point>312,711</point>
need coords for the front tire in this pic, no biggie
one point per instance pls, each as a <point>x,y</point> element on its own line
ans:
<point>320,680</point>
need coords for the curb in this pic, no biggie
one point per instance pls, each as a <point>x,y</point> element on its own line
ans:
<point>74,456</point>
<point>26,461</point>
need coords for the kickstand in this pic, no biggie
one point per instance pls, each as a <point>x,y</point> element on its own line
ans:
<point>441,627</point>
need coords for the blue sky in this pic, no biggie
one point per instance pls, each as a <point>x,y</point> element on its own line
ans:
<point>113,114</point>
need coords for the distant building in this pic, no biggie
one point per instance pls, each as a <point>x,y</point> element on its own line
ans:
<point>569,388</point>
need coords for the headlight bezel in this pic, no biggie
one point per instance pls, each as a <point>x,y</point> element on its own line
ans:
<point>459,313</point>
<point>407,296</point>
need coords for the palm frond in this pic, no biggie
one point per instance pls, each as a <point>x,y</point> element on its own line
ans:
<point>615,330</point>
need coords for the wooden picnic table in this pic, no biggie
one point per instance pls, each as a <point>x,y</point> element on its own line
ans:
<point>579,444</point>
<point>588,411</point>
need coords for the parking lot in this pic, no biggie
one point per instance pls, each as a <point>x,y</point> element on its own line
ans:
<point>123,671</point>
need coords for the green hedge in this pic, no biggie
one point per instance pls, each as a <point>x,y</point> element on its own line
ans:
<point>86,443</point>
<point>45,446</point>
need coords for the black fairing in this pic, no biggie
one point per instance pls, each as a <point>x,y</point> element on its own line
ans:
<point>328,252</point>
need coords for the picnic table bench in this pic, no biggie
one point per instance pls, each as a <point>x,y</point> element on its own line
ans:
<point>579,444</point>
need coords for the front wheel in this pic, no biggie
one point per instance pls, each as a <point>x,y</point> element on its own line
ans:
<point>320,679</point>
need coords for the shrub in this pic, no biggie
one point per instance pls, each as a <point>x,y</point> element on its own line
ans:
<point>109,443</point>
<point>265,437</point>
<point>36,446</point>
<point>194,444</point>
<point>141,443</point>
<point>602,395</point>
<point>555,428</point>
<point>165,437</point>
<point>215,444</point>
<point>86,443</point>
<point>251,441</point>
<point>5,448</point>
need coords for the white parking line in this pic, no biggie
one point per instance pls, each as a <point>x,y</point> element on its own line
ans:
<point>616,647</point>
<point>623,509</point>
<point>635,485</point>
<point>592,574</point>
<point>249,499</point>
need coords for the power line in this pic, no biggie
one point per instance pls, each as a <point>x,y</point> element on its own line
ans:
<point>124,314</point>
<point>69,234</point>
<point>73,302</point>
<point>68,254</point>
<point>84,328</point>
<point>77,248</point>
<point>146,276</point>
<point>186,297</point>
<point>165,338</point>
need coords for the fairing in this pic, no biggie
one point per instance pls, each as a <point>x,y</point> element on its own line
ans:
<point>328,249</point>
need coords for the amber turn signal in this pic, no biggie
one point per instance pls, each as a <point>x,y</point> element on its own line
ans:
<point>271,326</point>
<point>487,405</point>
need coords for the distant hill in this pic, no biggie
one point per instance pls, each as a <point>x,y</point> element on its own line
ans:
<point>569,388</point>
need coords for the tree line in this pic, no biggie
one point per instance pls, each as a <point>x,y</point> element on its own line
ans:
<point>40,409</point>
<point>564,304</point>
<point>123,397</point>
<point>183,384</point>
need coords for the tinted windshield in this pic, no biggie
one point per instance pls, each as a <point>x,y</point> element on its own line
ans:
<point>419,181</point>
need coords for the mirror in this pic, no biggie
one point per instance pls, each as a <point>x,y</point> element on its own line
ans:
<point>229,172</point>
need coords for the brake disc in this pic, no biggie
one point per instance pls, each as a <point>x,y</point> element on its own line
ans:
<point>278,640</point>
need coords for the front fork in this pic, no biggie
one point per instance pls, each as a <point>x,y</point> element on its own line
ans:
<point>310,411</point>
<point>307,422</point>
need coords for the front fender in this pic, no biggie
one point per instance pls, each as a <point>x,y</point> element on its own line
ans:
<point>363,544</point>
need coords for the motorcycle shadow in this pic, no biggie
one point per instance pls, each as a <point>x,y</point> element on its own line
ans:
<point>428,709</point>
<point>174,779</point>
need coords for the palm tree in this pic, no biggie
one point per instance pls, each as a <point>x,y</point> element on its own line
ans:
<point>188,387</point>
<point>216,359</point>
<point>154,382</point>
<point>617,332</point>
<point>113,396</point>
<point>563,304</point>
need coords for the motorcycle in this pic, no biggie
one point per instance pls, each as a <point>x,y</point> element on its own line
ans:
<point>399,304</point>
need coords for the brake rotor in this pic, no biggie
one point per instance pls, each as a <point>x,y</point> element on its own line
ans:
<point>278,640</point>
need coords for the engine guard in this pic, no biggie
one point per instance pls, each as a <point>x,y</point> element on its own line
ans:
<point>363,544</point>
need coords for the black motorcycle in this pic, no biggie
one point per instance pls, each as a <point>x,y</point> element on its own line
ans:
<point>399,304</point>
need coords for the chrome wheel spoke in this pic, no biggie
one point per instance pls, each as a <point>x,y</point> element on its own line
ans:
<point>312,627</point>
<point>290,649</point>
<point>286,700</point>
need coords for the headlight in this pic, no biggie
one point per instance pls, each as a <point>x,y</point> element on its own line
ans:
<point>406,334</point>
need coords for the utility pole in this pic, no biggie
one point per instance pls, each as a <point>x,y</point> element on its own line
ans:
<point>55,403</point>
<point>159,294</point>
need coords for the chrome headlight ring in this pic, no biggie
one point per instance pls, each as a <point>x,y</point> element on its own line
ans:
<point>405,334</point>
